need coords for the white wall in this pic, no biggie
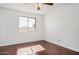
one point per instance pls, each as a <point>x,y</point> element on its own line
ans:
<point>0,28</point>
<point>62,26</point>
<point>9,27</point>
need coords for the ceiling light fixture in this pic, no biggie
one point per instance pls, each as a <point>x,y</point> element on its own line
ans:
<point>38,6</point>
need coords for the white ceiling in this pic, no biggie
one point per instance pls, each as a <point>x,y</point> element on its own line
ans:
<point>31,7</point>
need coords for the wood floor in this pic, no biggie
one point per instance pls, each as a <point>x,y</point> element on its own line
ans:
<point>51,49</point>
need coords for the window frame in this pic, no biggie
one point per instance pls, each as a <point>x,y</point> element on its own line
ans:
<point>28,24</point>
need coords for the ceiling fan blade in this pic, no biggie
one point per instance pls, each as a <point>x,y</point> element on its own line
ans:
<point>48,3</point>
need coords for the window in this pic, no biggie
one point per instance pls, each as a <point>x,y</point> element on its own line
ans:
<point>27,24</point>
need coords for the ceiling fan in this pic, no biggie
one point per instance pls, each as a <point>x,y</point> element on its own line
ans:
<point>38,5</point>
<point>48,4</point>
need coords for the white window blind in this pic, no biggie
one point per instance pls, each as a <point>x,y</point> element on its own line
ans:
<point>27,24</point>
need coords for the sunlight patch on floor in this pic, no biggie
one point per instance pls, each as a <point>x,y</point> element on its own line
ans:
<point>31,50</point>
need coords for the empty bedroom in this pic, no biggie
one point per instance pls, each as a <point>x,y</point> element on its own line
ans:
<point>39,28</point>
